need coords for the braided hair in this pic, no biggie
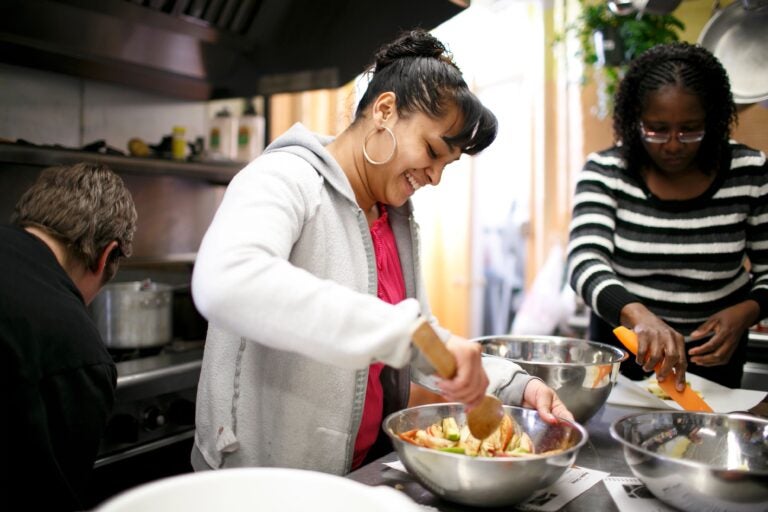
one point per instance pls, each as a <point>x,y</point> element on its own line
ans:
<point>417,68</point>
<point>693,68</point>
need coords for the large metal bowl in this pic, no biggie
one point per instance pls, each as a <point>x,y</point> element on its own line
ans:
<point>485,481</point>
<point>698,461</point>
<point>582,372</point>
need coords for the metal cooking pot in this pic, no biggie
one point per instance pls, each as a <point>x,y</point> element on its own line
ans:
<point>738,36</point>
<point>134,315</point>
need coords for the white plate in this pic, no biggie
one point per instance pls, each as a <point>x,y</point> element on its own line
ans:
<point>259,489</point>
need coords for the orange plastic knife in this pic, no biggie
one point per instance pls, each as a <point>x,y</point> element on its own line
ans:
<point>688,399</point>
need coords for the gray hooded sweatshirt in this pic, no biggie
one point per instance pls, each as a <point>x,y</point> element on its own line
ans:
<point>286,277</point>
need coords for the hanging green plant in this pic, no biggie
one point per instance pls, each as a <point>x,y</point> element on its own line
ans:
<point>609,41</point>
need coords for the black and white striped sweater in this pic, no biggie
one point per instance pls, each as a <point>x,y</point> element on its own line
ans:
<point>684,260</point>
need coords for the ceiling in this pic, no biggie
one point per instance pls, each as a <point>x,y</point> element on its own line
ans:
<point>208,49</point>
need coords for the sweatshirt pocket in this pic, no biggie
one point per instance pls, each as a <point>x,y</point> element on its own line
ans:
<point>328,452</point>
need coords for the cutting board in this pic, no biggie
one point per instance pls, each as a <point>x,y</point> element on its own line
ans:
<point>722,399</point>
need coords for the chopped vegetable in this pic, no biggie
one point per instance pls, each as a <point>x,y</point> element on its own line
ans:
<point>450,428</point>
<point>508,440</point>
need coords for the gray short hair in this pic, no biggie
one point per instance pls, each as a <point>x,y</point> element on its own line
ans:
<point>85,206</point>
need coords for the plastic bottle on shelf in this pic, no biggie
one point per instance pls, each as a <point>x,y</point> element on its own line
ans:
<point>250,134</point>
<point>179,143</point>
<point>222,141</point>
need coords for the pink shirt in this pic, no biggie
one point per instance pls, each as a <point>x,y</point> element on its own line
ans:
<point>391,289</point>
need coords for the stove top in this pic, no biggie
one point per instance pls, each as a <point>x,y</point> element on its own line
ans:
<point>154,401</point>
<point>176,367</point>
<point>174,347</point>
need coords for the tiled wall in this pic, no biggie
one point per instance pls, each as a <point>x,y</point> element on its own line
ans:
<point>50,108</point>
<point>47,109</point>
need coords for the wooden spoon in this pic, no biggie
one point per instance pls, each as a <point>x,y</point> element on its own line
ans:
<point>485,418</point>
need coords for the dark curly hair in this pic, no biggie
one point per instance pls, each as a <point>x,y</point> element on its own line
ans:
<point>418,69</point>
<point>697,70</point>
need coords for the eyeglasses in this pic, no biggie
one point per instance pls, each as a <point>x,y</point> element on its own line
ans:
<point>665,136</point>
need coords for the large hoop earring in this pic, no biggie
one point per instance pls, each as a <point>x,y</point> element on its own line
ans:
<point>391,154</point>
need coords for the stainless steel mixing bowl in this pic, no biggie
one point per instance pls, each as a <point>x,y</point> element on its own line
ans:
<point>485,481</point>
<point>582,372</point>
<point>698,461</point>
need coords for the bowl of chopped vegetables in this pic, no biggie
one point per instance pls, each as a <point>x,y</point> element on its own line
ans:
<point>523,455</point>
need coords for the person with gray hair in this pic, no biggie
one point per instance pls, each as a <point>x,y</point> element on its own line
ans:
<point>67,235</point>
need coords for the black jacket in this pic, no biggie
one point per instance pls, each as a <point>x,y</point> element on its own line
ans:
<point>57,380</point>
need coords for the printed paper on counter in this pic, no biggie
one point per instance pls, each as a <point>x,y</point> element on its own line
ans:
<point>631,495</point>
<point>573,483</point>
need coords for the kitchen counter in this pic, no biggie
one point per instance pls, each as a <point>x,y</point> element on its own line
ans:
<point>601,453</point>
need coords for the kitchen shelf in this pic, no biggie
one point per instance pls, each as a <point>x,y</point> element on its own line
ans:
<point>45,156</point>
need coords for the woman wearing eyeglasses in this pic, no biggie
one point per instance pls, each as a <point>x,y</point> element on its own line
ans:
<point>669,235</point>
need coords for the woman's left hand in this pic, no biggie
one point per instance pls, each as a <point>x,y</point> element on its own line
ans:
<point>541,397</point>
<point>728,327</point>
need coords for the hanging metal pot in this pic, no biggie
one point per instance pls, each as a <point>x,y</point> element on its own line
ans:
<point>627,7</point>
<point>656,6</point>
<point>738,36</point>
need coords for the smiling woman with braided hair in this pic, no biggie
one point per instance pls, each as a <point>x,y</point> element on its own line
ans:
<point>669,234</point>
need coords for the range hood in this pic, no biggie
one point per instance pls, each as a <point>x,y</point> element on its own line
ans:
<point>208,49</point>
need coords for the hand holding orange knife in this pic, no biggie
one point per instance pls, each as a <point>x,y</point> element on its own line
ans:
<point>688,399</point>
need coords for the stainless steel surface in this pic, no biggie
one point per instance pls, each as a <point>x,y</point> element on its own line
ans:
<point>756,368</point>
<point>737,35</point>
<point>169,371</point>
<point>482,481</point>
<point>582,373</point>
<point>136,314</point>
<point>755,376</point>
<point>192,50</point>
<point>143,448</point>
<point>758,339</point>
<point>697,461</point>
<point>154,402</point>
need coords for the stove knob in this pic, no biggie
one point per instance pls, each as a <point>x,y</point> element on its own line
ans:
<point>153,418</point>
<point>122,428</point>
